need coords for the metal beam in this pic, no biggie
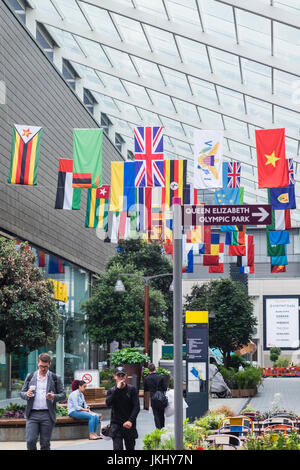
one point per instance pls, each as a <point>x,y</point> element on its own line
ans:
<point>162,61</point>
<point>274,13</point>
<point>231,135</point>
<point>194,34</point>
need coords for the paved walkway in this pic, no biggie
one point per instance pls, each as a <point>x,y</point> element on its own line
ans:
<point>284,391</point>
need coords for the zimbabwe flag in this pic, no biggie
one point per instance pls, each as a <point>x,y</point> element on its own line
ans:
<point>25,155</point>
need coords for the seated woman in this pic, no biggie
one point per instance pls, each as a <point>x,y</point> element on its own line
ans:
<point>77,408</point>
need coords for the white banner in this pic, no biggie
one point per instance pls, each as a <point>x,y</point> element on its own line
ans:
<point>208,157</point>
<point>282,323</point>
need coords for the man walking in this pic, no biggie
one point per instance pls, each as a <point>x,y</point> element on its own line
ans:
<point>41,390</point>
<point>153,383</point>
<point>125,406</point>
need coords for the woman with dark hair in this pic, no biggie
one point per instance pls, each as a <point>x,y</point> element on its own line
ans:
<point>77,408</point>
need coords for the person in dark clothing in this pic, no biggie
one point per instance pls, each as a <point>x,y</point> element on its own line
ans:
<point>154,382</point>
<point>125,406</point>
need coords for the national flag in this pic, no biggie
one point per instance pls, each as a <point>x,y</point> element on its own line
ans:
<point>216,269</point>
<point>282,198</point>
<point>97,207</point>
<point>190,263</point>
<point>291,171</point>
<point>67,197</point>
<point>234,175</point>
<point>190,195</point>
<point>87,158</point>
<point>237,250</point>
<point>148,146</point>
<point>208,156</point>
<point>248,258</point>
<point>175,181</point>
<point>281,237</point>
<point>122,187</point>
<point>275,250</point>
<point>278,269</point>
<point>158,173</point>
<point>25,152</point>
<point>55,265</point>
<point>41,259</point>
<point>279,260</point>
<point>143,199</point>
<point>210,260</point>
<point>281,220</point>
<point>272,165</point>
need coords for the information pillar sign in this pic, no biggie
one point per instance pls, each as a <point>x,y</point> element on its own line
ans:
<point>197,378</point>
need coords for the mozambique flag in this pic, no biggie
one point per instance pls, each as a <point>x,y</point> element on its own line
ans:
<point>25,153</point>
<point>87,158</point>
<point>175,181</point>
<point>97,207</point>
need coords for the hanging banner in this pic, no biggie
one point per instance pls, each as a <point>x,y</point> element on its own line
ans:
<point>208,156</point>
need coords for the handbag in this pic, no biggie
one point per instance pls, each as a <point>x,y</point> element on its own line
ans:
<point>105,430</point>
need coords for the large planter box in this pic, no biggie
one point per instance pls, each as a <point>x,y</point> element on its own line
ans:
<point>243,393</point>
<point>65,429</point>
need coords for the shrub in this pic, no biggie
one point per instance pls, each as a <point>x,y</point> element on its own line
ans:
<point>128,356</point>
<point>159,370</point>
<point>282,362</point>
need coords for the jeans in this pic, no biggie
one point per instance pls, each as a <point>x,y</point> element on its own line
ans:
<point>92,418</point>
<point>39,424</point>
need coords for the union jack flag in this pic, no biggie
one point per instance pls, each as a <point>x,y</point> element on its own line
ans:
<point>234,175</point>
<point>157,174</point>
<point>148,145</point>
<point>291,171</point>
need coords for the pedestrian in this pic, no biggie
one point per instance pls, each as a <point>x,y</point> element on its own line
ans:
<point>42,390</point>
<point>125,406</point>
<point>77,408</point>
<point>153,383</point>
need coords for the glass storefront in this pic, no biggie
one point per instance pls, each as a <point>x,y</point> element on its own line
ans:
<point>71,349</point>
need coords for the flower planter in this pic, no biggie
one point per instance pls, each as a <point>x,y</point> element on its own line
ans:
<point>243,392</point>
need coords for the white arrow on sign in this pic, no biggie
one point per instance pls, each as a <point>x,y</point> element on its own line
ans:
<point>263,214</point>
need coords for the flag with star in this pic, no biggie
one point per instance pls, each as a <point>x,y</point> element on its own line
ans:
<point>272,165</point>
<point>97,207</point>
<point>25,153</point>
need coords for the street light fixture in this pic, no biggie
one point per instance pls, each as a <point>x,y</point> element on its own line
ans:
<point>119,287</point>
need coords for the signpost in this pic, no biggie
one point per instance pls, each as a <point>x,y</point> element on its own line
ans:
<point>258,214</point>
<point>197,371</point>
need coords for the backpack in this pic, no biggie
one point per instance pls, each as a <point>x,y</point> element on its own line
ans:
<point>159,400</point>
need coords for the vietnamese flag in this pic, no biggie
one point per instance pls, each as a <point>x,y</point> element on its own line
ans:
<point>272,166</point>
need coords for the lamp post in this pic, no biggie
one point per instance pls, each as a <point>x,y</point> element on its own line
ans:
<point>119,287</point>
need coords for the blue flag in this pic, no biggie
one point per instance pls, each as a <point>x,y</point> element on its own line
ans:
<point>279,237</point>
<point>282,198</point>
<point>279,260</point>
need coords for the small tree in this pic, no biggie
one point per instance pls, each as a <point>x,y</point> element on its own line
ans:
<point>28,312</point>
<point>233,323</point>
<point>274,354</point>
<point>120,315</point>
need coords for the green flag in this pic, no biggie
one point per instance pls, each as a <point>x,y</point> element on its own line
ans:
<point>87,158</point>
<point>275,250</point>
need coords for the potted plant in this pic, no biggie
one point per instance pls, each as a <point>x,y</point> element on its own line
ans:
<point>132,359</point>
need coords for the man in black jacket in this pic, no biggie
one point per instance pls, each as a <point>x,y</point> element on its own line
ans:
<point>154,382</point>
<point>125,406</point>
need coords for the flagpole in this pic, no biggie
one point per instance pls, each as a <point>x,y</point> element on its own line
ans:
<point>177,324</point>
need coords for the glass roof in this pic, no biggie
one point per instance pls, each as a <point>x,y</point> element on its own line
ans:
<point>208,64</point>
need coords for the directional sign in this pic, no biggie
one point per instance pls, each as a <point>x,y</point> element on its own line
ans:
<point>258,214</point>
